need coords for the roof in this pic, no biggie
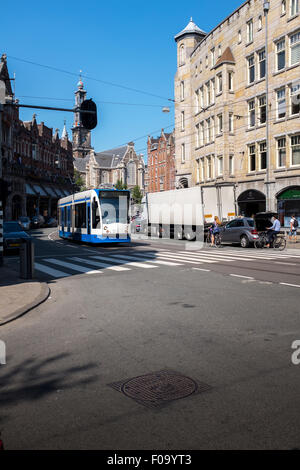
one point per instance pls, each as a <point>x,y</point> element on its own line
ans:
<point>227,56</point>
<point>191,28</point>
<point>80,163</point>
<point>110,158</point>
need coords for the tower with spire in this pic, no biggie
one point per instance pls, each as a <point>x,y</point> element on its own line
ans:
<point>81,136</point>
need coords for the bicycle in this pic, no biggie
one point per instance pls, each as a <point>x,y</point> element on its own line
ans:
<point>218,239</point>
<point>278,243</point>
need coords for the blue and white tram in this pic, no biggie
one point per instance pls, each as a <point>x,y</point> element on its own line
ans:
<point>95,216</point>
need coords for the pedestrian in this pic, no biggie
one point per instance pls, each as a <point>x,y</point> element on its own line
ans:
<point>272,231</point>
<point>293,226</point>
<point>215,229</point>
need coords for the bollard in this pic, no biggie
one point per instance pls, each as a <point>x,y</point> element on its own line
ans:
<point>27,259</point>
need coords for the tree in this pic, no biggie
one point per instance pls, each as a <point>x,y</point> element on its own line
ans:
<point>136,195</point>
<point>120,185</point>
<point>79,184</point>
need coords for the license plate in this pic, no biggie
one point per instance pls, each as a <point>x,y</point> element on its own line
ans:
<point>14,244</point>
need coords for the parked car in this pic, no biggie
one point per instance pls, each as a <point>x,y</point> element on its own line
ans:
<point>12,236</point>
<point>25,223</point>
<point>37,221</point>
<point>241,230</point>
<point>50,222</point>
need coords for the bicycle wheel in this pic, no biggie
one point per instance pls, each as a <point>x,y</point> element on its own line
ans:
<point>279,244</point>
<point>260,243</point>
<point>218,239</point>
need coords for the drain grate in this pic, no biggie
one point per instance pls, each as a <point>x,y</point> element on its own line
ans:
<point>157,389</point>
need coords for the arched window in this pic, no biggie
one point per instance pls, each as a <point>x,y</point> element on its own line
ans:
<point>181,54</point>
<point>131,173</point>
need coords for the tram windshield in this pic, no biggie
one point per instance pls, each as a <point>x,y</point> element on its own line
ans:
<point>114,206</point>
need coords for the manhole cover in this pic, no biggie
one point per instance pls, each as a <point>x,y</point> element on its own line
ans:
<point>159,388</point>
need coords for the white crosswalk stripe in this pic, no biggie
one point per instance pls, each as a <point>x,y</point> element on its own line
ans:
<point>50,271</point>
<point>100,265</point>
<point>145,258</point>
<point>118,258</point>
<point>74,267</point>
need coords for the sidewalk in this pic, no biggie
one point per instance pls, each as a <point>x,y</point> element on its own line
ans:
<point>18,296</point>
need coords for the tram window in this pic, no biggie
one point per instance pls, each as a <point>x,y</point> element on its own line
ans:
<point>59,216</point>
<point>80,215</point>
<point>95,214</point>
<point>65,216</point>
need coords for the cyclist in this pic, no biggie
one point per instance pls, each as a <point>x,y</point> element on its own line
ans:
<point>215,228</point>
<point>273,231</point>
<point>293,226</point>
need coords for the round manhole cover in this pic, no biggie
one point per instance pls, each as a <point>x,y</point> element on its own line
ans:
<point>159,387</point>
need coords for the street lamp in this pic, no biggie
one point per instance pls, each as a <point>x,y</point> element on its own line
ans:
<point>266,8</point>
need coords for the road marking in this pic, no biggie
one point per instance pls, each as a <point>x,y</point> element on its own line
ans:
<point>233,255</point>
<point>186,259</point>
<point>287,264</point>
<point>201,269</point>
<point>286,284</point>
<point>52,272</point>
<point>219,256</point>
<point>239,275</point>
<point>74,267</point>
<point>145,258</point>
<point>138,265</point>
<point>100,265</point>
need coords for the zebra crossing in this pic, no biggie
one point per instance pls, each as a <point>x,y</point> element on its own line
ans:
<point>98,263</point>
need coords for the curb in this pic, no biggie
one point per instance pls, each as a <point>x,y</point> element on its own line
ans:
<point>42,297</point>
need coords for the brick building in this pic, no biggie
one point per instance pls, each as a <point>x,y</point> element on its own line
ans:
<point>234,128</point>
<point>37,166</point>
<point>161,163</point>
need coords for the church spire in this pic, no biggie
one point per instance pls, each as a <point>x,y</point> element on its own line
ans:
<point>64,132</point>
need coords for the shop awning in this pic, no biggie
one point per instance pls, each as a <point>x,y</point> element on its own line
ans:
<point>39,189</point>
<point>29,190</point>
<point>51,192</point>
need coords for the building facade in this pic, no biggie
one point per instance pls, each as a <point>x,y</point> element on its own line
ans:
<point>237,107</point>
<point>111,166</point>
<point>161,162</point>
<point>37,166</point>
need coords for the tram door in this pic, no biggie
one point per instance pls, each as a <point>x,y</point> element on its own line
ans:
<point>63,211</point>
<point>88,218</point>
<point>69,219</point>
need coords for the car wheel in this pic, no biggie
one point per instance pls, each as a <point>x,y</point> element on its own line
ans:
<point>244,242</point>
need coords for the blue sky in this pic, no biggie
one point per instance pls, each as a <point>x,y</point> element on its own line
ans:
<point>127,43</point>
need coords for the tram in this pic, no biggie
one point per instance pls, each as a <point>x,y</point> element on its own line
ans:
<point>95,216</point>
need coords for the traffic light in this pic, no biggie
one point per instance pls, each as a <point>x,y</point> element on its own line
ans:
<point>88,114</point>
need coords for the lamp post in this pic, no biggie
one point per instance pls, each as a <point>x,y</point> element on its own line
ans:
<point>266,7</point>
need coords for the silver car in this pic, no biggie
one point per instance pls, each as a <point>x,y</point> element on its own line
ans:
<point>241,230</point>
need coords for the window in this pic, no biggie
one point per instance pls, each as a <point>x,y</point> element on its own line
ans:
<point>220,123</point>
<point>283,7</point>
<point>201,169</point>
<point>220,166</point>
<point>231,165</point>
<point>262,64</point>
<point>295,99</point>
<point>252,158</point>
<point>212,85</point>
<point>251,108</point>
<point>259,23</point>
<point>294,7</point>
<point>131,173</point>
<point>208,96</point>
<point>281,104</point>
<point>295,149</point>
<point>230,122</point>
<point>209,169</point>
<point>281,152</point>
<point>182,153</point>
<point>197,93</point>
<point>295,48</point>
<point>182,91</point>
<point>202,133</point>
<point>280,52</point>
<point>263,156</point>
<point>206,61</point>
<point>230,81</point>
<point>182,120</point>
<point>250,31</point>
<point>212,129</point>
<point>198,136</point>
<point>80,215</point>
<point>201,97</point>
<point>208,131</point>
<point>213,57</point>
<point>181,55</point>
<point>251,69</point>
<point>239,36</point>
<point>262,110</point>
<point>220,83</point>
<point>219,50</point>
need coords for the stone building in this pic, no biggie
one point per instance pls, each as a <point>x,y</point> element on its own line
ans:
<point>161,162</point>
<point>37,166</point>
<point>234,128</point>
<point>109,166</point>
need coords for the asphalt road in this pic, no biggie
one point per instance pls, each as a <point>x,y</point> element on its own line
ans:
<point>161,307</point>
